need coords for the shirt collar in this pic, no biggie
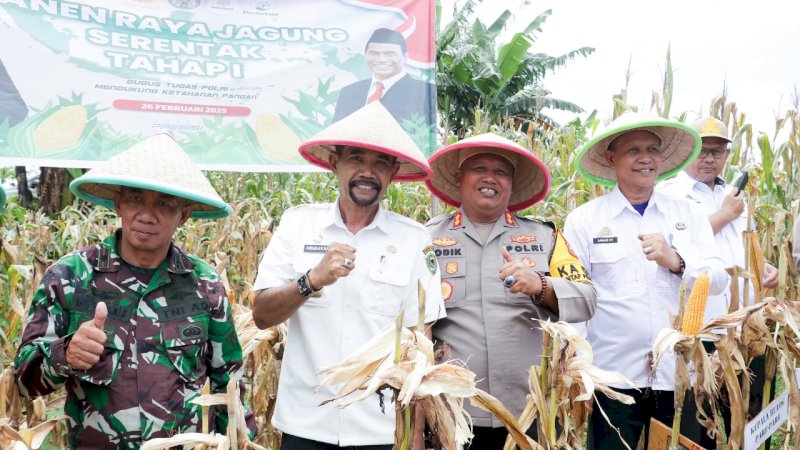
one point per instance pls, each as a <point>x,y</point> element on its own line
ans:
<point>387,83</point>
<point>618,202</point>
<point>460,218</point>
<point>334,218</point>
<point>108,259</point>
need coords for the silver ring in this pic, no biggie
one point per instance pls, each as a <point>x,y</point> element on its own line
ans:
<point>509,281</point>
<point>348,263</point>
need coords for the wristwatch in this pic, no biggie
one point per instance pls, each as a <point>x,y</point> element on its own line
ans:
<point>304,286</point>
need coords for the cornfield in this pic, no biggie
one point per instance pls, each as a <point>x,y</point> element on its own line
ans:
<point>32,241</point>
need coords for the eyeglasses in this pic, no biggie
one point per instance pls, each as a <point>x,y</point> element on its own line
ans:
<point>716,153</point>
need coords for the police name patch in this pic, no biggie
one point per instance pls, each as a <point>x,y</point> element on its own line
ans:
<point>430,259</point>
<point>605,240</point>
<point>315,248</point>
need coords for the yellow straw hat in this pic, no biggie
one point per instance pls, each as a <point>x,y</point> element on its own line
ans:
<point>158,164</point>
<point>711,127</point>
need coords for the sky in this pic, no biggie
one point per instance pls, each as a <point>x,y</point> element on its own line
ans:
<point>751,48</point>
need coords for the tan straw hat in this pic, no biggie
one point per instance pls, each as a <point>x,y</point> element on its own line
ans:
<point>372,128</point>
<point>680,144</point>
<point>711,127</point>
<point>531,177</point>
<point>158,164</point>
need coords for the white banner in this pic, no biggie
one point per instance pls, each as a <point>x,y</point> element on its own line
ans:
<point>239,83</point>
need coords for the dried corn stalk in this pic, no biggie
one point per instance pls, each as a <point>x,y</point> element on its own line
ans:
<point>563,386</point>
<point>439,388</point>
<point>237,434</point>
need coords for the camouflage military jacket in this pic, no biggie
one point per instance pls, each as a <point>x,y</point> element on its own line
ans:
<point>164,339</point>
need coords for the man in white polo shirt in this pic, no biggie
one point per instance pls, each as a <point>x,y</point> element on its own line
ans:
<point>341,272</point>
<point>637,245</point>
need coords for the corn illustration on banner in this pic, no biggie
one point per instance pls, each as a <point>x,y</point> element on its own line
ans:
<point>239,83</point>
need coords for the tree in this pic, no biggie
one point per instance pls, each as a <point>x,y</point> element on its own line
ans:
<point>502,80</point>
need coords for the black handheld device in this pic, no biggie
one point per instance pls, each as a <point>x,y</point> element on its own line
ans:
<point>741,182</point>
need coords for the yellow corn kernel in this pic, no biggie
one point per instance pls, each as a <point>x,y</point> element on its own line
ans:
<point>696,306</point>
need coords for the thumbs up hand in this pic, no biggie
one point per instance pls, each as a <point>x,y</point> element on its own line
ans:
<point>517,276</point>
<point>87,343</point>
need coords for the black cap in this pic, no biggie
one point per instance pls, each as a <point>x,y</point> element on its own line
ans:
<point>387,36</point>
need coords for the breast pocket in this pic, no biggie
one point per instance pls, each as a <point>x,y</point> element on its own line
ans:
<point>185,343</point>
<point>388,288</point>
<point>610,267</point>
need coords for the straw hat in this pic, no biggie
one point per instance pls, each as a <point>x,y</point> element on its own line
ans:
<point>531,177</point>
<point>680,144</point>
<point>372,128</point>
<point>711,127</point>
<point>158,164</point>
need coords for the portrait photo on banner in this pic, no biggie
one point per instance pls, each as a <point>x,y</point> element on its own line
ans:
<point>238,83</point>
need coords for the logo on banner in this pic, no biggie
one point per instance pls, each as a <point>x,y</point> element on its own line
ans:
<point>185,4</point>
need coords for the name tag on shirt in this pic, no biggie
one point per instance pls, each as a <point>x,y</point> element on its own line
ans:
<point>605,240</point>
<point>315,248</point>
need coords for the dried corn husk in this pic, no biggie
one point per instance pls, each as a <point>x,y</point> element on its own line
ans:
<point>26,438</point>
<point>438,388</point>
<point>562,388</point>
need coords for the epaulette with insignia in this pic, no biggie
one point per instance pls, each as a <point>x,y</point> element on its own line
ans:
<point>439,219</point>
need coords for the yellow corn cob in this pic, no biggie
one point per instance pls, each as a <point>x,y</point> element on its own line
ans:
<point>696,306</point>
<point>60,129</point>
<point>276,139</point>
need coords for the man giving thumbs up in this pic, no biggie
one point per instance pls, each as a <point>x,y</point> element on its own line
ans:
<point>133,326</point>
<point>500,270</point>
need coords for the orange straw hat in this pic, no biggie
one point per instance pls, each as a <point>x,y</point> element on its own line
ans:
<point>531,177</point>
<point>372,128</point>
<point>158,164</point>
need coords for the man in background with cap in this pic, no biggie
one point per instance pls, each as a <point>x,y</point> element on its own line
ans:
<point>341,272</point>
<point>404,96</point>
<point>500,271</point>
<point>700,183</point>
<point>637,245</point>
<point>133,326</point>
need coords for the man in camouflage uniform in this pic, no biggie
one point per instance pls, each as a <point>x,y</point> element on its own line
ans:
<point>500,271</point>
<point>134,325</point>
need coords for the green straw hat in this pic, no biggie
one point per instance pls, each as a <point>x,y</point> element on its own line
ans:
<point>680,144</point>
<point>158,164</point>
<point>372,128</point>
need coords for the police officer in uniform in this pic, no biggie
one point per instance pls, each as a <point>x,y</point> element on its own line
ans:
<point>499,270</point>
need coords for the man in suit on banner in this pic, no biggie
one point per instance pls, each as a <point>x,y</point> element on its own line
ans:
<point>404,96</point>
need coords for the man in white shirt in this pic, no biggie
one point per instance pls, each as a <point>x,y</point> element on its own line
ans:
<point>637,245</point>
<point>700,183</point>
<point>341,272</point>
<point>404,96</point>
